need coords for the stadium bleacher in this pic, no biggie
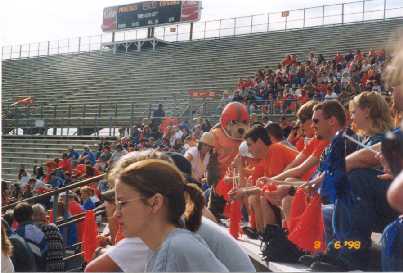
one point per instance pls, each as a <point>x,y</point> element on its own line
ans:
<point>102,80</point>
<point>84,88</point>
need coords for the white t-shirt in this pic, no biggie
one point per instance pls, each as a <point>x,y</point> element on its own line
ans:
<point>130,254</point>
<point>6,264</point>
<point>198,166</point>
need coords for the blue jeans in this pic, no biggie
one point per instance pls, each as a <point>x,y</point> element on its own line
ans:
<point>355,219</point>
<point>327,211</point>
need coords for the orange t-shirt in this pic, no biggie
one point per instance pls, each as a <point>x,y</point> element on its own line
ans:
<point>300,143</point>
<point>314,147</point>
<point>277,158</point>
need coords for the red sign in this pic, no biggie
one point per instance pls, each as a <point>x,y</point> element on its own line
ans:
<point>285,13</point>
<point>202,94</point>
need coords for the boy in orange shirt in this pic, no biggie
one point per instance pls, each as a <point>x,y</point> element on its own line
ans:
<point>274,159</point>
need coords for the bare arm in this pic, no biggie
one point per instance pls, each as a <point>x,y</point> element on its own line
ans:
<point>299,170</point>
<point>395,193</point>
<point>363,158</point>
<point>297,161</point>
<point>102,263</point>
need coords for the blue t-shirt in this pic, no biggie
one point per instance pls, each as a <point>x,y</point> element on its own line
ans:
<point>88,204</point>
<point>184,251</point>
<point>74,155</point>
<point>90,156</point>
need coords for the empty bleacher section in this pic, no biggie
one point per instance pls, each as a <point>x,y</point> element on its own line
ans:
<point>100,89</point>
<point>29,151</point>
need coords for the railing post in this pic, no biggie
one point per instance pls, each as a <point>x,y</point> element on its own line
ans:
<point>54,121</point>
<point>97,120</point>
<point>29,50</point>
<point>384,9</point>
<point>84,112</point>
<point>132,116</point>
<point>16,120</point>
<point>342,13</point>
<point>100,42</point>
<point>234,26</point>
<point>363,10</point>
<point>268,22</point>
<point>69,115</point>
<point>39,48</point>
<point>79,44</point>
<point>303,26</point>
<point>20,51</point>
<point>2,52</point>
<point>205,25</point>
<point>58,47</point>
<point>191,32</point>
<point>323,15</point>
<point>116,118</point>
<point>110,125</point>
<point>251,24</point>
<point>163,35</point>
<point>48,47</point>
<point>177,32</point>
<point>11,52</point>
<point>55,206</point>
<point>219,29</point>
<point>68,45</point>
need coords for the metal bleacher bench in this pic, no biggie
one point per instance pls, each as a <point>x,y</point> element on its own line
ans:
<point>252,249</point>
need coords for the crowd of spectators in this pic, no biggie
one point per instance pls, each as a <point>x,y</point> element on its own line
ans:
<point>344,94</point>
<point>294,82</point>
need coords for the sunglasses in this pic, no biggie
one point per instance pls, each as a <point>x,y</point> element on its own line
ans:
<point>120,204</point>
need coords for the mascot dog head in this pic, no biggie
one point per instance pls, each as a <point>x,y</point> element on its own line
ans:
<point>234,120</point>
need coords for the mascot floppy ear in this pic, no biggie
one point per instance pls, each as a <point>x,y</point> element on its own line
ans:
<point>212,169</point>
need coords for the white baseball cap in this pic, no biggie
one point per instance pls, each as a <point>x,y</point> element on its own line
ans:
<point>244,151</point>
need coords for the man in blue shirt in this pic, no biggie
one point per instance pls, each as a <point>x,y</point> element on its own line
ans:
<point>33,235</point>
<point>366,209</point>
<point>88,155</point>
<point>73,154</point>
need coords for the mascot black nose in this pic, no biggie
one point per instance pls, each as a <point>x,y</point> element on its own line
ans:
<point>241,131</point>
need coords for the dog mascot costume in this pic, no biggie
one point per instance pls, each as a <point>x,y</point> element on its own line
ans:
<point>228,135</point>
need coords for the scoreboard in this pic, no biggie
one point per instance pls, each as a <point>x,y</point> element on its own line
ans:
<point>149,14</point>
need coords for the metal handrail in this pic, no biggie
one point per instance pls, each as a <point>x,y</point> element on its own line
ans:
<point>38,49</point>
<point>55,192</point>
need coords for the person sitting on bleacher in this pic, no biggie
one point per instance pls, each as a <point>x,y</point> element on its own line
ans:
<point>55,253</point>
<point>35,238</point>
<point>86,193</point>
<point>73,154</point>
<point>370,212</point>
<point>87,155</point>
<point>65,165</point>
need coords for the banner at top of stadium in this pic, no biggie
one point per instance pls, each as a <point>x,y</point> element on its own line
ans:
<point>149,14</point>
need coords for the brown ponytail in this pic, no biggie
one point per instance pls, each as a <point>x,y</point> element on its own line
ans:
<point>194,207</point>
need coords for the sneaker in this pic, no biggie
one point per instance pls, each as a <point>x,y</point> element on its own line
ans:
<point>308,260</point>
<point>328,267</point>
<point>251,233</point>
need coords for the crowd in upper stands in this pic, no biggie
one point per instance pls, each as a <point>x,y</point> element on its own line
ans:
<point>295,81</point>
<point>158,173</point>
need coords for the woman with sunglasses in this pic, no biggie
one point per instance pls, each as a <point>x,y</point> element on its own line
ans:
<point>153,191</point>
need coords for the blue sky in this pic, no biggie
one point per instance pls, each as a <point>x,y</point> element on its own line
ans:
<point>24,21</point>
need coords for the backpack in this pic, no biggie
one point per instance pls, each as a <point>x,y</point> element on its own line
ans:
<point>276,247</point>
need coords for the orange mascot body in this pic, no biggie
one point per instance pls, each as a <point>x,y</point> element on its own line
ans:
<point>228,135</point>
